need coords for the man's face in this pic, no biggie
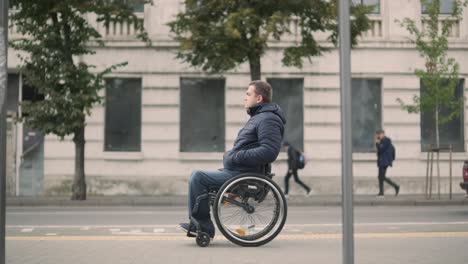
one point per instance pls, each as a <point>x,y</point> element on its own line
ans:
<point>251,98</point>
<point>380,136</point>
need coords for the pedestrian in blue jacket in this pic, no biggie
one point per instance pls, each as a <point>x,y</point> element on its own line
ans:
<point>257,144</point>
<point>385,155</point>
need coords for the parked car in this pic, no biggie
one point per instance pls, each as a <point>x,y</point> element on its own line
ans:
<point>464,184</point>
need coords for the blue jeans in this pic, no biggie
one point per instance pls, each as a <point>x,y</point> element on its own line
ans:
<point>198,185</point>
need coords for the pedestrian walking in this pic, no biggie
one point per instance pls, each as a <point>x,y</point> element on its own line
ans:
<point>296,161</point>
<point>385,157</point>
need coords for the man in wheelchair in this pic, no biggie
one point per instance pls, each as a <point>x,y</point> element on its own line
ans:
<point>258,143</point>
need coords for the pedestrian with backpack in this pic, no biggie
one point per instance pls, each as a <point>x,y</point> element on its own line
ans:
<point>385,158</point>
<point>296,161</point>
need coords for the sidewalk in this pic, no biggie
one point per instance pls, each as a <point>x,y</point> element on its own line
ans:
<point>300,200</point>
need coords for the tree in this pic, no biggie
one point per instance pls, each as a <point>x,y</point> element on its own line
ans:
<point>440,76</point>
<point>55,35</point>
<point>220,35</point>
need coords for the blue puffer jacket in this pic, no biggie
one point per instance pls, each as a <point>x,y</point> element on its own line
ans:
<point>259,142</point>
<point>384,153</point>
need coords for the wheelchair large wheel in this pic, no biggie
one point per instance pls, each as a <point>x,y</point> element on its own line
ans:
<point>250,210</point>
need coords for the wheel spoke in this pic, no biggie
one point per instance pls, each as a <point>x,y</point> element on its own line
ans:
<point>259,226</point>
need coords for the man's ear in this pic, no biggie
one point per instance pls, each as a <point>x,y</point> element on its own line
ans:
<point>259,99</point>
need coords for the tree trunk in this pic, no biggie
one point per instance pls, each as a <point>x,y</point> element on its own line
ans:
<point>438,148</point>
<point>255,67</point>
<point>437,127</point>
<point>79,183</point>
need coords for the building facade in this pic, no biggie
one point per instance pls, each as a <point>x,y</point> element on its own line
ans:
<point>163,119</point>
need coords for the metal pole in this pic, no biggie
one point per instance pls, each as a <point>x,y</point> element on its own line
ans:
<point>438,173</point>
<point>19,135</point>
<point>450,175</point>
<point>3,92</point>
<point>430,176</point>
<point>427,171</point>
<point>346,147</point>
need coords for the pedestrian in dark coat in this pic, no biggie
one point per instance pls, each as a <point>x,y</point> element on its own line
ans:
<point>293,154</point>
<point>385,154</point>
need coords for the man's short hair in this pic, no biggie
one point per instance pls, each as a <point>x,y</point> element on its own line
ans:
<point>264,89</point>
<point>380,131</point>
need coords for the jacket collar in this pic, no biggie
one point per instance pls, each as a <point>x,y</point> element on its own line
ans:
<point>254,109</point>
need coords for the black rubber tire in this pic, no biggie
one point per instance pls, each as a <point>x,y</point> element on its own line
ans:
<point>203,239</point>
<point>229,236</point>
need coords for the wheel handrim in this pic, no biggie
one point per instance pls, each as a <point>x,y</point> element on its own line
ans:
<point>255,227</point>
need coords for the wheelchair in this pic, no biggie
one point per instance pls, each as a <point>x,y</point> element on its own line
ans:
<point>250,209</point>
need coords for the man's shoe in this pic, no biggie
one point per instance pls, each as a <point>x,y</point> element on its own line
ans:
<point>380,196</point>
<point>190,229</point>
<point>397,190</point>
<point>309,193</point>
<point>206,226</point>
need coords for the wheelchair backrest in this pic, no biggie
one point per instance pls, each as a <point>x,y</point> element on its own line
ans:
<point>267,170</point>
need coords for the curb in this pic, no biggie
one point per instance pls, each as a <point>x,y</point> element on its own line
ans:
<point>180,200</point>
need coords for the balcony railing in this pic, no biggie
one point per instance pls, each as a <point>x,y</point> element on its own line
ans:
<point>454,31</point>
<point>375,31</point>
<point>117,30</point>
<point>113,30</point>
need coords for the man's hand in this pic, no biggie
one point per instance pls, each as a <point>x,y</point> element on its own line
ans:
<point>290,171</point>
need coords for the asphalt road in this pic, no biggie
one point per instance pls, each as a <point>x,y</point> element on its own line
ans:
<point>392,234</point>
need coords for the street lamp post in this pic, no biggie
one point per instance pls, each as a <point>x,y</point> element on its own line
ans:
<point>346,138</point>
<point>3,92</point>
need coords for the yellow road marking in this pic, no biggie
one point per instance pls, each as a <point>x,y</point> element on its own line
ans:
<point>377,235</point>
<point>280,237</point>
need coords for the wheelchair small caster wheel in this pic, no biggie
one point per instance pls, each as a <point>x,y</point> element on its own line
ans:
<point>203,239</point>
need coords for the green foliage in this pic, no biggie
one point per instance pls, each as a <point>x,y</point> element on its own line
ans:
<point>441,74</point>
<point>217,36</point>
<point>55,36</point>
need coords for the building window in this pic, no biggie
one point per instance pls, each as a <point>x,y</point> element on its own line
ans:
<point>374,3</point>
<point>288,93</point>
<point>202,119</point>
<point>137,5</point>
<point>12,94</point>
<point>366,113</point>
<point>123,115</point>
<point>450,133</point>
<point>446,7</point>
